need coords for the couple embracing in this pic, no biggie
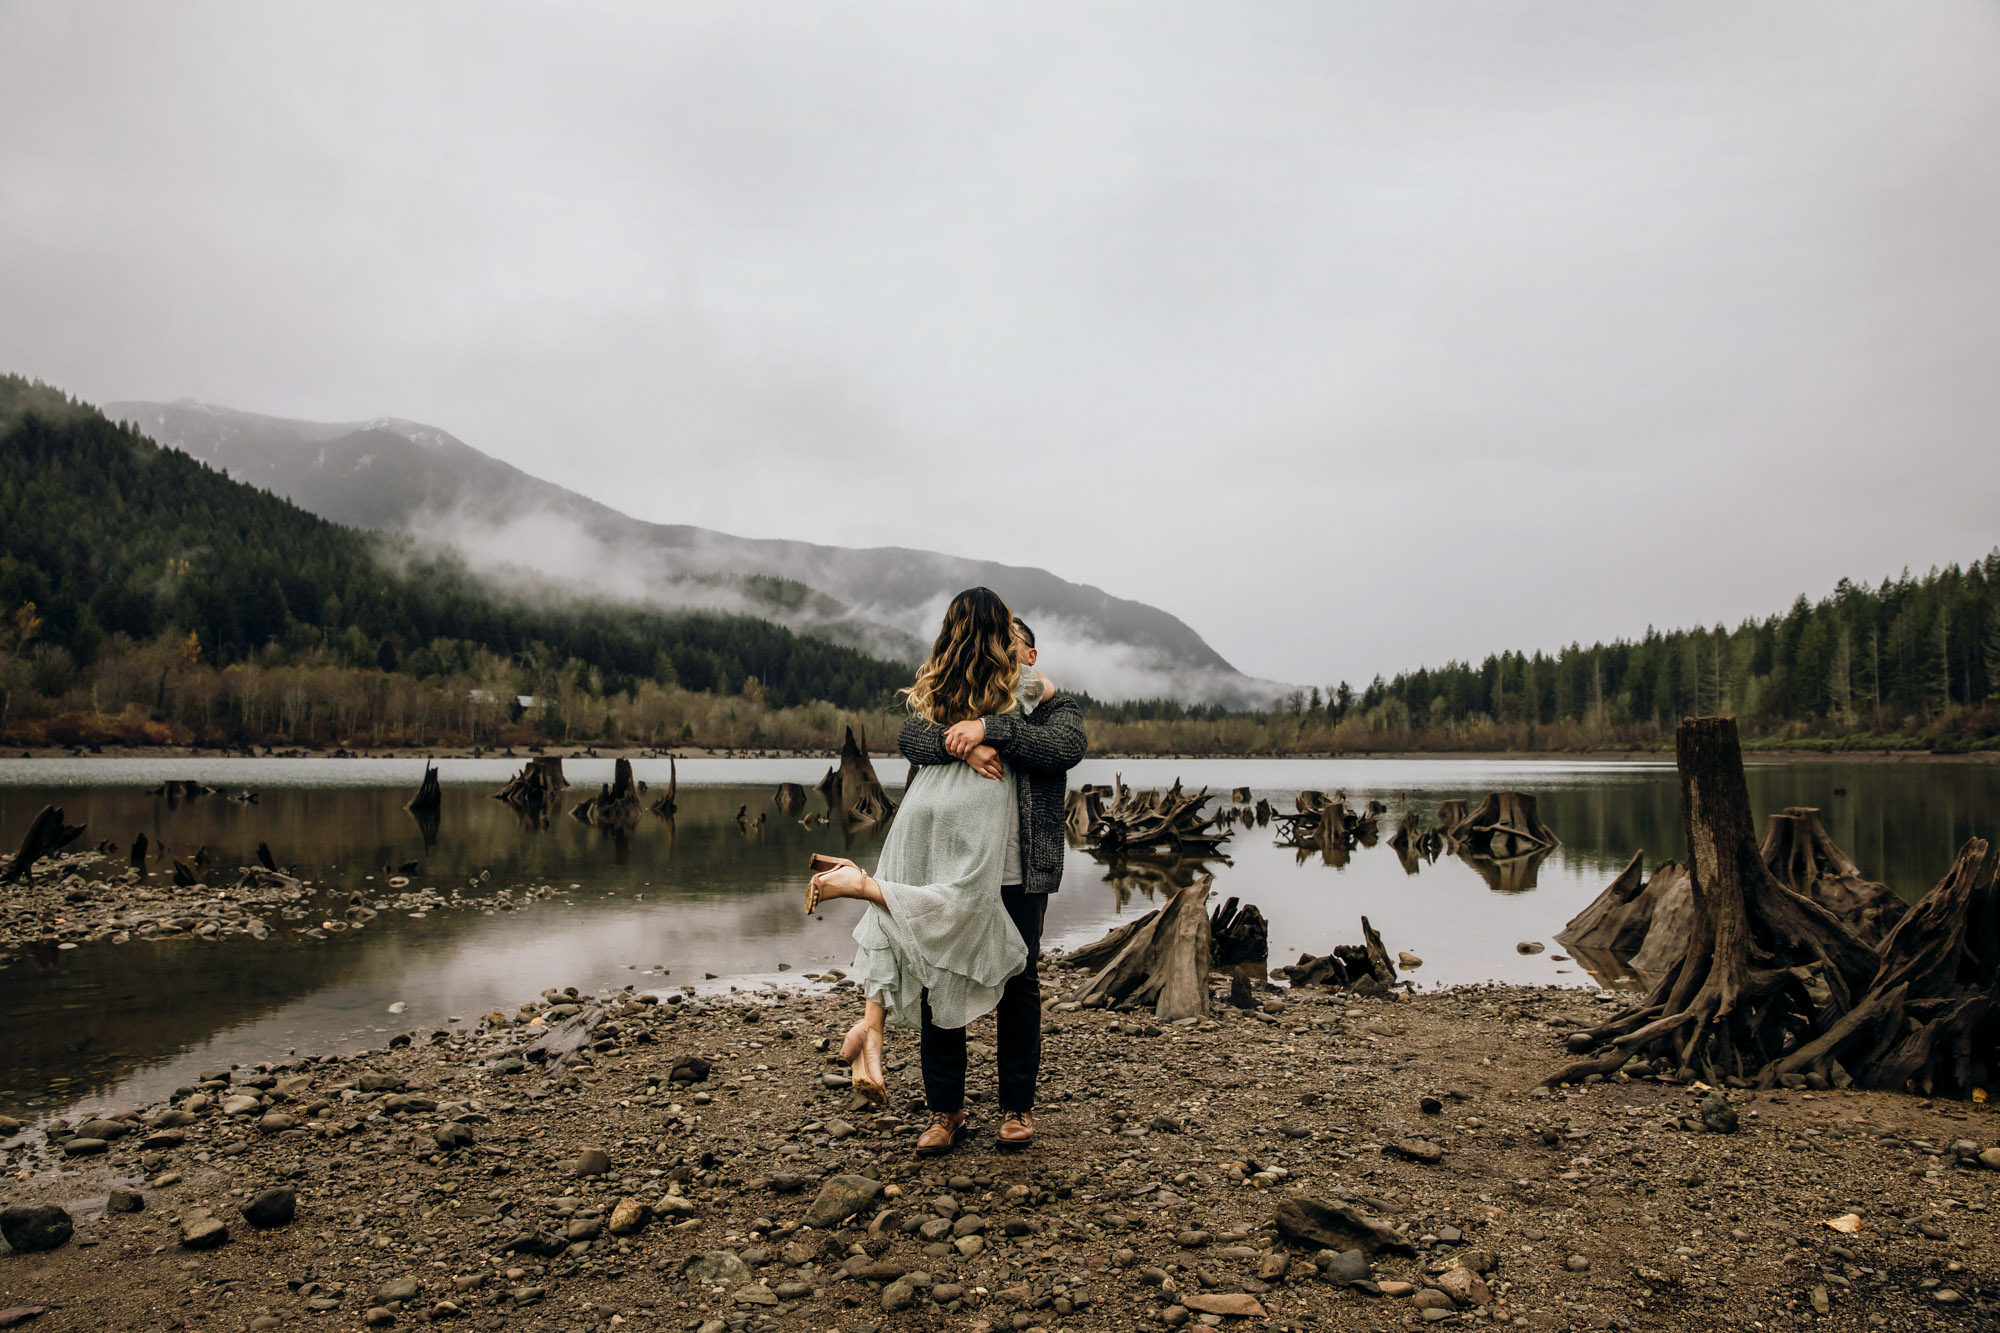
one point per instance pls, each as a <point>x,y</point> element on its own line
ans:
<point>953,926</point>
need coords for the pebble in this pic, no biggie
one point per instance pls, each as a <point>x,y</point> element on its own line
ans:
<point>840,1198</point>
<point>124,1200</point>
<point>591,1162</point>
<point>1578,1263</point>
<point>627,1216</point>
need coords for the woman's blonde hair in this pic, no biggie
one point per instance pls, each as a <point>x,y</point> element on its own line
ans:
<point>971,671</point>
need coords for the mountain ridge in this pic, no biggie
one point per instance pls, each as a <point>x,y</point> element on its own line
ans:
<point>393,474</point>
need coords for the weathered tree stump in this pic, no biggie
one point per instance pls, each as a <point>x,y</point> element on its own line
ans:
<point>180,789</point>
<point>1764,971</point>
<point>1803,857</point>
<point>665,806</point>
<point>616,804</point>
<point>1637,925</point>
<point>1162,961</point>
<point>429,795</point>
<point>138,858</point>
<point>1150,822</point>
<point>1505,824</point>
<point>852,791</point>
<point>1238,935</point>
<point>538,786</point>
<point>1239,796</point>
<point>1930,1020</point>
<point>790,797</point>
<point>1365,967</point>
<point>46,835</point>
<point>1450,815</point>
<point>1412,839</point>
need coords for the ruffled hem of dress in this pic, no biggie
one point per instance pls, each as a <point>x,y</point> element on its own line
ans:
<point>954,995</point>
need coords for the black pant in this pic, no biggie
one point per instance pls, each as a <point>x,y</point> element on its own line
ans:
<point>1019,1018</point>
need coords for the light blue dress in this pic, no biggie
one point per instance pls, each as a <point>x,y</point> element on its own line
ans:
<point>945,929</point>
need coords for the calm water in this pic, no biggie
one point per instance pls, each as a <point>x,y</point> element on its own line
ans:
<point>110,1027</point>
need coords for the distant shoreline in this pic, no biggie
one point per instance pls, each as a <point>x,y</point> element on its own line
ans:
<point>1751,755</point>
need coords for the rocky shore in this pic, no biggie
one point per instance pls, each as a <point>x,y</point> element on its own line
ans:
<point>1325,1161</point>
<point>90,897</point>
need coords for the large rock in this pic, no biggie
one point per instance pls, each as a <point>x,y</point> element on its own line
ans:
<point>591,1162</point>
<point>627,1216</point>
<point>1345,1266</point>
<point>1338,1227</point>
<point>202,1232</point>
<point>31,1229</point>
<point>716,1268</point>
<point>273,1208</point>
<point>841,1198</point>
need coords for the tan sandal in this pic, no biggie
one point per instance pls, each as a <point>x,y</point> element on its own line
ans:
<point>812,895</point>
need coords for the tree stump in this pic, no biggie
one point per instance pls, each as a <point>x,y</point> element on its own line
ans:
<point>1149,822</point>
<point>670,802</point>
<point>616,805</point>
<point>1764,970</point>
<point>1930,1020</point>
<point>138,858</point>
<point>1238,935</point>
<point>1163,961</point>
<point>790,797</point>
<point>1803,857</point>
<point>429,795</point>
<point>537,787</point>
<point>1450,815</point>
<point>1365,966</point>
<point>1505,824</point>
<point>852,790</point>
<point>46,835</point>
<point>1239,796</point>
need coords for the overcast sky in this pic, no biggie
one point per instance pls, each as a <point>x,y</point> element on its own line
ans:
<point>1359,336</point>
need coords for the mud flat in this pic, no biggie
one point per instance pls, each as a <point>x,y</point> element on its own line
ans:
<point>1325,1161</point>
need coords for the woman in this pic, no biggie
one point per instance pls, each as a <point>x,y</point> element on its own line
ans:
<point>934,921</point>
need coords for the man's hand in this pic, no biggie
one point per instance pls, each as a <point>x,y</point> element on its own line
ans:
<point>985,761</point>
<point>961,737</point>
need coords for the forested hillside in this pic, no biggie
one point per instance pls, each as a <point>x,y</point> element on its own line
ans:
<point>1911,663</point>
<point>119,559</point>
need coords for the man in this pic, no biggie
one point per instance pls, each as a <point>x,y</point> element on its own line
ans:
<point>1042,747</point>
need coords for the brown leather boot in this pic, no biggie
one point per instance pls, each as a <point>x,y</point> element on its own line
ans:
<point>1017,1130</point>
<point>943,1134</point>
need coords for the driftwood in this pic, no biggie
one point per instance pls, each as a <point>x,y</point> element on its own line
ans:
<point>1162,961</point>
<point>616,804</point>
<point>429,795</point>
<point>852,790</point>
<point>1238,934</point>
<point>1803,857</point>
<point>46,835</point>
<point>184,878</point>
<point>670,802</point>
<point>1365,967</point>
<point>1765,971</point>
<point>1151,822</point>
<point>1338,1226</point>
<point>790,797</point>
<point>1505,824</point>
<point>537,787</point>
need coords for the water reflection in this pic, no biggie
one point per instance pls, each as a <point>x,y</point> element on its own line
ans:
<point>668,901</point>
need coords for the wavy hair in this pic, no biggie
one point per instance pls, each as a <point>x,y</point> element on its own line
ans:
<point>971,671</point>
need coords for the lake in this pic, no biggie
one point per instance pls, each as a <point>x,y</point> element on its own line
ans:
<point>698,900</point>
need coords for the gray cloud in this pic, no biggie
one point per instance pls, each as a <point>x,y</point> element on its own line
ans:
<point>1357,336</point>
